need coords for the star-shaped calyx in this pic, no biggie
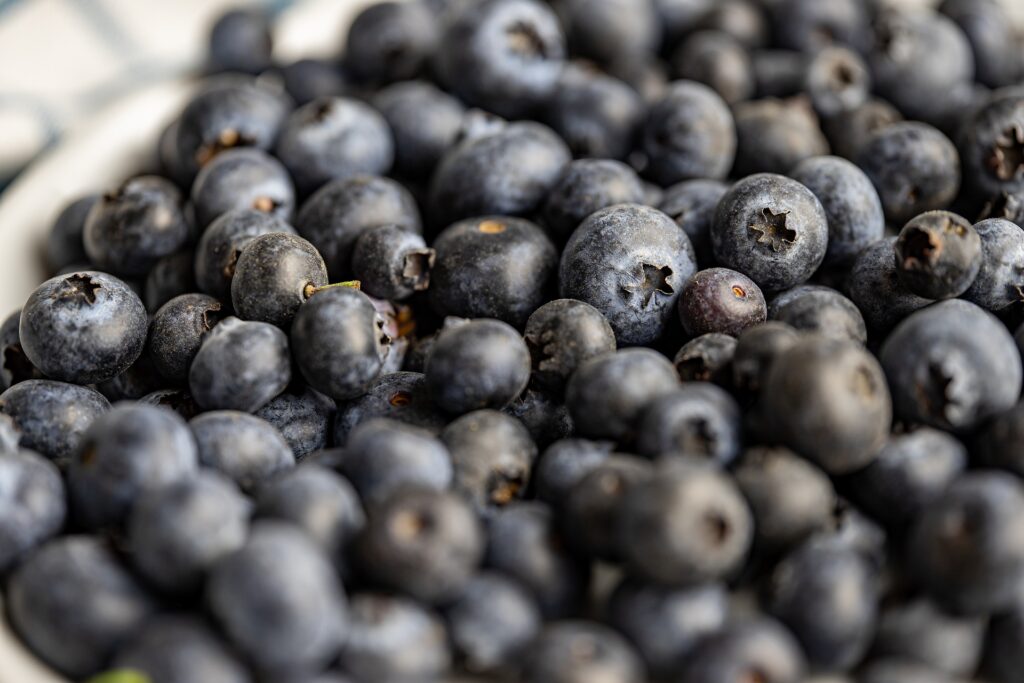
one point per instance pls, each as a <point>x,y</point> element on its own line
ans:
<point>771,230</point>
<point>81,286</point>
<point>1006,158</point>
<point>650,281</point>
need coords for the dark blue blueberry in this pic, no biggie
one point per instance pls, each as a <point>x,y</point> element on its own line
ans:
<point>243,447</point>
<point>15,367</point>
<point>938,255</point>
<point>586,186</point>
<point>608,30</point>
<point>951,365</point>
<point>303,416</point>
<point>492,267</point>
<point>561,335</point>
<point>333,138</point>
<point>821,310</point>
<point>990,32</point>
<point>576,651</point>
<point>990,144</point>
<point>178,532</point>
<point>589,514</point>
<point>1000,279</point>
<point>564,463</point>
<point>309,79</point>
<point>1004,646</point>
<point>809,25</point>
<point>492,457</point>
<point>274,275</point>
<point>691,204</point>
<point>52,417</point>
<point>392,263</point>
<point>772,229</point>
<point>717,60</point>
<point>851,204</point>
<point>401,396</point>
<point>129,229</point>
<point>544,415</point>
<point>171,276</point>
<point>177,331</point>
<point>707,358</point>
<point>32,504</point>
<point>242,178</point>
<point>837,80</point>
<point>127,454</point>
<point>847,131</point>
<point>74,604</point>
<point>240,41</point>
<point>507,173</point>
<point>279,601</point>
<point>64,246</point>
<point>425,121</point>
<point>755,351</point>
<point>720,300</point>
<point>919,631</point>
<point>222,242</point>
<point>751,649</point>
<point>697,419</point>
<point>241,365</point>
<point>179,649</point>
<point>742,19</point>
<point>876,289</point>
<point>629,262</point>
<point>689,135</point>
<point>779,73</point>
<point>775,135</point>
<point>481,364</point>
<point>391,41</point>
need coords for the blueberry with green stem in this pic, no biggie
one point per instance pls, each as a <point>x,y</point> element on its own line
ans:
<point>275,274</point>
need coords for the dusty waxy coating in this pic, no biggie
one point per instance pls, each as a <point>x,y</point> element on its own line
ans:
<point>177,331</point>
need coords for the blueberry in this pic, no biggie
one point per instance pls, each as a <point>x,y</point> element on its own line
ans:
<point>126,454</point>
<point>772,229</point>
<point>837,80</point>
<point>561,335</point>
<point>129,229</point>
<point>64,246</point>
<point>15,367</point>
<point>808,25</point>
<point>303,416</point>
<point>243,447</point>
<point>774,135</point>
<point>391,41</point>
<point>308,79</point>
<point>691,204</point>
<point>852,206</point>
<point>243,178</point>
<point>989,31</point>
<point>686,523</point>
<point>666,624</point>
<point>847,131</point>
<point>33,504</point>
<point>492,457</point>
<point>401,396</point>
<point>502,55</point>
<point>966,548</point>
<point>938,255</point>
<point>919,631</point>
<point>720,300</point>
<point>241,365</point>
<point>779,73</point>
<point>717,60</point>
<point>52,417</point>
<point>1002,252</point>
<point>240,41</point>
<point>606,30</point>
<point>274,275</point>
<point>577,651</point>
<point>586,186</point>
<point>176,649</point>
<point>481,364</point>
<point>592,506</point>
<point>755,352</point>
<point>821,310</point>
<point>492,624</point>
<point>332,138</point>
<point>564,463</point>
<point>914,168</point>
<point>876,289</point>
<point>74,604</point>
<point>742,19</point>
<point>707,358</point>
<point>177,331</point>
<point>177,533</point>
<point>951,366</point>
<point>758,648</point>
<point>629,262</point>
<point>171,276</point>
<point>698,419</point>
<point>509,172</point>
<point>424,122</point>
<point>342,210</point>
<point>997,443</point>
<point>544,415</point>
<point>279,601</point>
<point>1003,645</point>
<point>222,242</point>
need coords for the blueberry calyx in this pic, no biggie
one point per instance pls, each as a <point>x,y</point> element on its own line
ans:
<point>83,286</point>
<point>1007,156</point>
<point>772,230</point>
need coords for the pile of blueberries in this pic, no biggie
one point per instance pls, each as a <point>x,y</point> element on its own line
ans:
<point>589,341</point>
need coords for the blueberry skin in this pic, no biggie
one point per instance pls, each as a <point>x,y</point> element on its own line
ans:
<point>126,454</point>
<point>629,262</point>
<point>779,73</point>
<point>392,263</point>
<point>342,210</point>
<point>847,131</point>
<point>502,55</point>
<point>1003,645</point>
<point>772,229</point>
<point>577,651</point>
<point>809,26</point>
<point>689,134</point>
<point>241,365</point>
<point>243,178</point>
<point>545,417</point>
<point>332,138</point>
<point>424,121</point>
<point>383,456</point>
<point>608,394</point>
<point>420,542</point>
<point>938,255</point>
<point>563,464</point>
<point>338,343</point>
<point>876,289</point>
<point>989,141</point>
<point>275,274</point>
<point>697,419</point>
<point>74,604</point>
<point>717,60</point>
<point>707,358</point>
<point>240,41</point>
<point>52,416</point>
<point>828,386</point>
<point>492,624</point>
<point>303,416</point>
<point>755,352</point>
<point>758,647</point>
<point>492,457</point>
<point>837,80</point>
<point>64,246</point>
<point>1002,253</point>
<point>666,624</point>
<point>243,447</point>
<point>852,206</point>
<point>508,173</point>
<point>33,504</point>
<point>840,584</point>
<point>525,544</point>
<point>951,366</point>
<point>589,515</point>
<point>790,498</point>
<point>720,300</point>
<point>586,186</point>
<point>561,335</point>
<point>965,547</point>
<point>914,168</point>
<point>691,204</point>
<point>84,328</point>
<point>775,135</point>
<point>173,649</point>
<point>821,310</point>
<point>171,276</point>
<point>177,331</point>
<point>492,267</point>
<point>223,241</point>
<point>921,632</point>
<point>308,79</point>
<point>597,115</point>
<point>989,32</point>
<point>180,531</point>
<point>15,367</point>
<point>279,601</point>
<point>393,638</point>
<point>607,30</point>
<point>391,41</point>
<point>401,396</point>
<point>481,364</point>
